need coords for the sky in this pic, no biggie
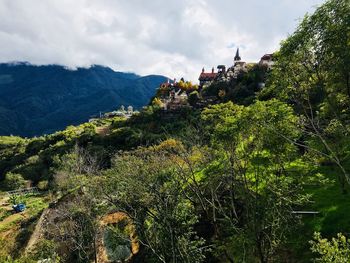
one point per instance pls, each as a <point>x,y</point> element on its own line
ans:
<point>175,38</point>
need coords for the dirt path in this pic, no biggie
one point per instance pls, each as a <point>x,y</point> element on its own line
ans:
<point>12,218</point>
<point>4,201</point>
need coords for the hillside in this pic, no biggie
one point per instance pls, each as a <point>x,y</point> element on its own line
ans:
<point>251,165</point>
<point>37,100</point>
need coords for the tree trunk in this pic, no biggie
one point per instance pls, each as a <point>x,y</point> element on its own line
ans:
<point>348,83</point>
<point>261,255</point>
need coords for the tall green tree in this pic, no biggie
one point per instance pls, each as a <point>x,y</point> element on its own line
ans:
<point>253,187</point>
<point>312,72</point>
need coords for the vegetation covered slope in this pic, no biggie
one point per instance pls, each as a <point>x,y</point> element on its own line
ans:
<point>261,181</point>
<point>37,100</point>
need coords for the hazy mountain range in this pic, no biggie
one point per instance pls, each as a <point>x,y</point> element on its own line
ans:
<point>37,100</point>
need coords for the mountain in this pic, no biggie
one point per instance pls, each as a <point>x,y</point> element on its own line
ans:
<point>37,100</point>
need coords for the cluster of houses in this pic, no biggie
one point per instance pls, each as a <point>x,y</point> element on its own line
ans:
<point>173,97</point>
<point>223,74</point>
<point>121,112</point>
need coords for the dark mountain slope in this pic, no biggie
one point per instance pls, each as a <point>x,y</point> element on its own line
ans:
<point>37,100</point>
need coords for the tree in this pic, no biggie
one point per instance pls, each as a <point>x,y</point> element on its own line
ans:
<point>145,185</point>
<point>73,169</point>
<point>312,73</point>
<point>252,189</point>
<point>73,225</point>
<point>45,250</point>
<point>193,98</point>
<point>14,181</point>
<point>157,103</point>
<point>336,250</point>
<point>186,85</point>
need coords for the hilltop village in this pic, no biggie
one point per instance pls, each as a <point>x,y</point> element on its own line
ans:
<point>240,80</point>
<point>214,85</point>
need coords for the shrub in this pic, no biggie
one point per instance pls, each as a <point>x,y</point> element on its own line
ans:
<point>14,181</point>
<point>45,250</point>
<point>336,250</point>
<point>193,98</point>
<point>43,185</point>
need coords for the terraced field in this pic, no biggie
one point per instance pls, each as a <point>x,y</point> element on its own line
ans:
<point>16,228</point>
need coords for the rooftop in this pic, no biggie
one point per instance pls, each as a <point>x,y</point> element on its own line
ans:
<point>207,76</point>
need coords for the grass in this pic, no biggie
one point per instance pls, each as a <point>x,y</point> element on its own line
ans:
<point>332,204</point>
<point>16,228</point>
<point>334,213</point>
<point>35,204</point>
<point>10,222</point>
<point>4,213</point>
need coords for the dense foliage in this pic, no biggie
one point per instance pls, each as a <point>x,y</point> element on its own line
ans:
<point>240,90</point>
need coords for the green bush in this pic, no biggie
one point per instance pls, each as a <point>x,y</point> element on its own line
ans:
<point>46,249</point>
<point>336,250</point>
<point>14,181</point>
<point>193,98</point>
<point>43,185</point>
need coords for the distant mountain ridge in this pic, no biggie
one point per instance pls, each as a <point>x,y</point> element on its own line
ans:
<point>36,100</point>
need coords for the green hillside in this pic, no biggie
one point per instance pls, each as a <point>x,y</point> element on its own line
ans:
<point>249,166</point>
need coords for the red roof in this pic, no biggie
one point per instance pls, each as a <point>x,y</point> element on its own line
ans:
<point>207,76</point>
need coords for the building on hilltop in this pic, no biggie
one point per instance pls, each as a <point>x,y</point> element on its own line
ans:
<point>206,78</point>
<point>267,60</point>
<point>174,95</point>
<point>177,100</point>
<point>168,84</point>
<point>166,87</point>
<point>237,61</point>
<point>121,112</point>
<point>232,72</point>
<point>130,110</point>
<point>237,57</point>
<point>221,69</point>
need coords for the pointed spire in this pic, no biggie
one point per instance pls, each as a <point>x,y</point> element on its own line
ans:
<point>203,70</point>
<point>237,57</point>
<point>212,70</point>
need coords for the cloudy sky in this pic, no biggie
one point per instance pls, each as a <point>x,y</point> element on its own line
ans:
<point>171,37</point>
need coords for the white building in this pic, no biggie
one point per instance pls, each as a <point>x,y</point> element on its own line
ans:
<point>130,110</point>
<point>267,60</point>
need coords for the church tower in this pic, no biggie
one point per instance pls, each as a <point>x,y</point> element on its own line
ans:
<point>237,57</point>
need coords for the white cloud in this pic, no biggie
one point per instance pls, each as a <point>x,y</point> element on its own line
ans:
<point>174,38</point>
